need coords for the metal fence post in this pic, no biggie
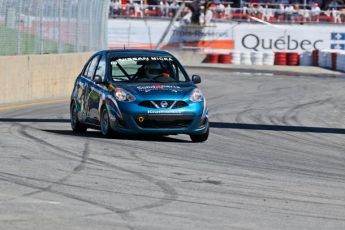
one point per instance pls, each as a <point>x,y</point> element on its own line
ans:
<point>19,12</point>
<point>60,27</point>
<point>41,28</point>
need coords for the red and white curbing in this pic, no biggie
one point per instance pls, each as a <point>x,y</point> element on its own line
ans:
<point>330,59</point>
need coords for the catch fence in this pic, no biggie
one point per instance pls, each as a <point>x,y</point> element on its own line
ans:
<point>52,26</point>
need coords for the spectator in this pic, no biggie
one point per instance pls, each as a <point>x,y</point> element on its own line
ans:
<point>173,8</point>
<point>115,8</point>
<point>145,8</point>
<point>220,8</point>
<point>342,13</point>
<point>165,8</point>
<point>295,14</point>
<point>335,5</point>
<point>207,13</point>
<point>251,10</point>
<point>319,2</point>
<point>227,11</point>
<point>280,11</point>
<point>194,7</point>
<point>315,12</point>
<point>259,10</point>
<point>270,5</point>
<point>288,12</point>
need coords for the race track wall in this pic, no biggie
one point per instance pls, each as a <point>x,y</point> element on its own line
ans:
<point>37,77</point>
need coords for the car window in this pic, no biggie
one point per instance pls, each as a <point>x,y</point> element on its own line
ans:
<point>143,69</point>
<point>101,68</point>
<point>119,69</point>
<point>91,68</point>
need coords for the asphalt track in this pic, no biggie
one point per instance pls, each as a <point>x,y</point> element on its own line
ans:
<point>275,159</point>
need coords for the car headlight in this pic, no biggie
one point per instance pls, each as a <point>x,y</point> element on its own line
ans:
<point>123,95</point>
<point>196,96</point>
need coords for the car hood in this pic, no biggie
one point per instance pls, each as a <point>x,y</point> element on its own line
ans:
<point>159,88</point>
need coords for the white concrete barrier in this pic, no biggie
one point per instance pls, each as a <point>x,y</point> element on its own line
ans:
<point>36,77</point>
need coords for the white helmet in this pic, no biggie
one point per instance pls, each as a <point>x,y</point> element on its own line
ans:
<point>153,69</point>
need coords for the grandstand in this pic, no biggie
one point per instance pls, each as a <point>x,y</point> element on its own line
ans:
<point>225,11</point>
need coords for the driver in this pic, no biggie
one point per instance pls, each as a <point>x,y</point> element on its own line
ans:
<point>153,69</point>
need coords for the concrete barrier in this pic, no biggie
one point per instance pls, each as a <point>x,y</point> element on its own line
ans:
<point>37,77</point>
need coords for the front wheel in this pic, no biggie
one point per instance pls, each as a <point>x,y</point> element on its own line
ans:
<point>200,137</point>
<point>105,122</point>
<point>75,124</point>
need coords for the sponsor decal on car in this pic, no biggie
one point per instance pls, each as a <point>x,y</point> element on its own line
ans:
<point>144,59</point>
<point>159,87</point>
<point>165,111</point>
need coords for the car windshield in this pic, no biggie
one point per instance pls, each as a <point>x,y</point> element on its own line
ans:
<point>147,69</point>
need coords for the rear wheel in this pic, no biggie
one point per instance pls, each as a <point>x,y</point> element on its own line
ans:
<point>105,124</point>
<point>200,137</point>
<point>75,124</point>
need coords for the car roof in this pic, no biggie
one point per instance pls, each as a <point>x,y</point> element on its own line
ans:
<point>136,52</point>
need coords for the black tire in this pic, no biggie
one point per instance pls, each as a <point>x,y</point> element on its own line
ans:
<point>75,124</point>
<point>200,137</point>
<point>105,123</point>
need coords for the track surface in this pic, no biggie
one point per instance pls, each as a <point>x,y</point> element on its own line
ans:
<point>275,159</point>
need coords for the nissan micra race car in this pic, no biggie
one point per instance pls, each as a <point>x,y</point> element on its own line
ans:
<point>138,92</point>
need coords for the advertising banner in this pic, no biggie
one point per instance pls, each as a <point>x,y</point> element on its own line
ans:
<point>289,38</point>
<point>226,36</point>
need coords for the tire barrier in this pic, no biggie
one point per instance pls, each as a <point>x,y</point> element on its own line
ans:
<point>315,57</point>
<point>257,58</point>
<point>322,59</point>
<point>236,57</point>
<point>328,55</point>
<point>340,63</point>
<point>292,58</point>
<point>334,60</point>
<point>306,58</point>
<point>212,58</point>
<point>246,58</point>
<point>280,58</point>
<point>268,58</point>
<point>330,59</point>
<point>224,58</point>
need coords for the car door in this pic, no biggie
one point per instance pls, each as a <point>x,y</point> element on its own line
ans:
<point>86,85</point>
<point>96,92</point>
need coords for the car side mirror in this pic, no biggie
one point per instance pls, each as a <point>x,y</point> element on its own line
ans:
<point>196,79</point>
<point>98,79</point>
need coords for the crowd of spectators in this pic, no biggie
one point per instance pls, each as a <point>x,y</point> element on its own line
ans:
<point>281,10</point>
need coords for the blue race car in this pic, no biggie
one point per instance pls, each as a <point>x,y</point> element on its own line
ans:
<point>138,92</point>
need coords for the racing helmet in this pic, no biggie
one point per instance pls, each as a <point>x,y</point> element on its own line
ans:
<point>153,69</point>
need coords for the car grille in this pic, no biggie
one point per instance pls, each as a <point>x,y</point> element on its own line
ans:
<point>167,121</point>
<point>169,104</point>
